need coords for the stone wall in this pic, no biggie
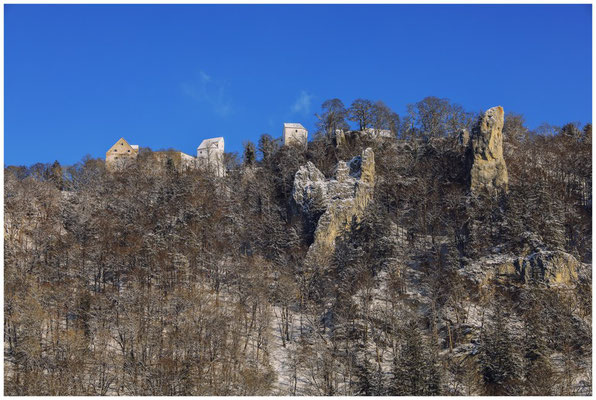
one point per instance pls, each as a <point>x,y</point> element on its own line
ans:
<point>295,136</point>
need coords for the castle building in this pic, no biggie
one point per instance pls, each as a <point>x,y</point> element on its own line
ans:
<point>295,134</point>
<point>210,154</point>
<point>120,154</point>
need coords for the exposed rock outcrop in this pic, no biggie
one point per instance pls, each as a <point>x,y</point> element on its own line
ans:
<point>340,137</point>
<point>310,189</point>
<point>488,170</point>
<point>341,200</point>
<point>551,268</point>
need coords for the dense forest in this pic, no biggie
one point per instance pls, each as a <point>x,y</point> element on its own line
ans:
<point>156,281</point>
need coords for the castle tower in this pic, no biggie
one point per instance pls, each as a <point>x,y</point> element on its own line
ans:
<point>295,134</point>
<point>210,154</point>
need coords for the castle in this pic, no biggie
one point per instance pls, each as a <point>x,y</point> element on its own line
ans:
<point>210,153</point>
<point>294,134</point>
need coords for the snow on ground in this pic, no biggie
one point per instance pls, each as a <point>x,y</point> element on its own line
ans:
<point>290,380</point>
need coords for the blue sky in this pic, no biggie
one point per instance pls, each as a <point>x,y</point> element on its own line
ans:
<point>79,77</point>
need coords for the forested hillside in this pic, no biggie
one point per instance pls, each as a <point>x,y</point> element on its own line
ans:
<point>368,265</point>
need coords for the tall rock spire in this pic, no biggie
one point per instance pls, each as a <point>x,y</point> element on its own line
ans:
<point>488,171</point>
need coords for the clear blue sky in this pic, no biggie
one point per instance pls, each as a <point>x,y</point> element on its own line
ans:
<point>79,77</point>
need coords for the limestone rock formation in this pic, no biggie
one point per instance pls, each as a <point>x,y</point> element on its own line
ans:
<point>341,199</point>
<point>310,189</point>
<point>488,170</point>
<point>340,137</point>
<point>551,268</point>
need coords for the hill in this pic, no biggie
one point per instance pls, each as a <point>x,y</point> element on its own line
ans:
<point>429,262</point>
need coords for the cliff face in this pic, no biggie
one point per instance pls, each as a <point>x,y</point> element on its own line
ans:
<point>545,267</point>
<point>341,199</point>
<point>488,171</point>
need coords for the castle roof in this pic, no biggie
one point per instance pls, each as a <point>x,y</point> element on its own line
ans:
<point>123,142</point>
<point>209,143</point>
<point>293,125</point>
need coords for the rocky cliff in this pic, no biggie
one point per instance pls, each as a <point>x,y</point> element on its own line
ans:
<point>550,268</point>
<point>341,199</point>
<point>488,170</point>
